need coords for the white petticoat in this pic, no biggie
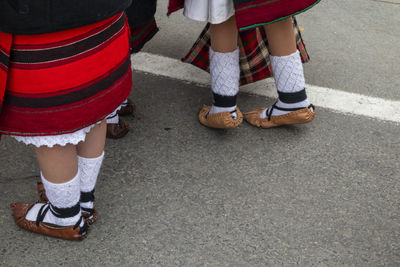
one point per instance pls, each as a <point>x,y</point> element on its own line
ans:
<point>64,139</point>
<point>52,140</point>
<point>213,11</point>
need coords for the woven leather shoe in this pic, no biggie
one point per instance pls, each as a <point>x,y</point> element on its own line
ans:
<point>118,130</point>
<point>90,215</point>
<point>299,116</point>
<point>128,109</point>
<point>73,232</point>
<point>222,120</point>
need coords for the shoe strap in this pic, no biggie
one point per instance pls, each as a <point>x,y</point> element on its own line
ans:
<point>288,109</point>
<point>292,98</point>
<point>65,212</point>
<point>269,111</point>
<point>224,101</point>
<point>45,208</point>
<point>274,106</point>
<point>84,228</point>
<point>233,111</point>
<point>87,196</point>
<point>42,213</point>
<point>89,211</point>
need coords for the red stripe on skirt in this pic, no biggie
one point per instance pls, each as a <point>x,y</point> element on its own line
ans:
<point>60,80</point>
<point>68,119</point>
<point>55,63</point>
<point>267,11</point>
<point>5,46</point>
<point>69,40</point>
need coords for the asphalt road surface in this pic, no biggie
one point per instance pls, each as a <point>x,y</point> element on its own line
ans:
<point>175,193</point>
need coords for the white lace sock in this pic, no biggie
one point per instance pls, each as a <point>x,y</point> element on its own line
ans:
<point>89,169</point>
<point>61,196</point>
<point>289,80</point>
<point>225,75</point>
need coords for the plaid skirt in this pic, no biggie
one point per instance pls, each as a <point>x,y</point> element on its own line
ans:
<point>141,34</point>
<point>60,83</point>
<point>253,42</point>
<point>253,53</point>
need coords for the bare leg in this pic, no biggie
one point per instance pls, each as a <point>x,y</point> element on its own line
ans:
<point>281,37</point>
<point>224,36</point>
<point>60,177</point>
<point>58,164</point>
<point>289,79</point>
<point>225,74</point>
<point>90,158</point>
<point>93,146</point>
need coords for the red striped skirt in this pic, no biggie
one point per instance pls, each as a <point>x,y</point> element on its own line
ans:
<point>252,13</point>
<point>61,82</point>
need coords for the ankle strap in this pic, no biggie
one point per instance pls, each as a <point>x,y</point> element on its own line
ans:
<point>65,212</point>
<point>269,111</point>
<point>224,101</point>
<point>291,98</point>
<point>87,196</point>
<point>45,208</point>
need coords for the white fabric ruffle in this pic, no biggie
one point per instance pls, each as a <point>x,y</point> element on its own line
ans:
<point>52,140</point>
<point>213,11</point>
<point>113,118</point>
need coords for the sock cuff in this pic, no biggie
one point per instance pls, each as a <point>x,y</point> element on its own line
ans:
<point>234,53</point>
<point>293,55</point>
<point>88,160</point>
<point>73,181</point>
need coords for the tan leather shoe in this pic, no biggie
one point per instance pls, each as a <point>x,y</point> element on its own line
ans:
<point>303,115</point>
<point>118,130</point>
<point>90,215</point>
<point>73,232</point>
<point>222,120</point>
<point>129,109</point>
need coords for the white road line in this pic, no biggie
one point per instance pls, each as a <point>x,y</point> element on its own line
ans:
<point>335,100</point>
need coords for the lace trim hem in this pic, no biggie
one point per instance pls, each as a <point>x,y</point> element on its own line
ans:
<point>52,140</point>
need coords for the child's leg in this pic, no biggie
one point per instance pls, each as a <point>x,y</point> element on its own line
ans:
<point>224,69</point>
<point>60,177</point>
<point>224,36</point>
<point>94,143</point>
<point>224,66</point>
<point>59,163</point>
<point>90,158</point>
<point>281,38</point>
<point>287,67</point>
